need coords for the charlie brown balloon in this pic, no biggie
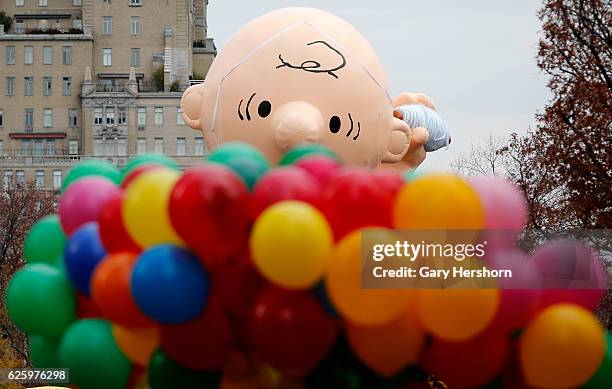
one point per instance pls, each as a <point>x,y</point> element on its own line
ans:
<point>302,75</point>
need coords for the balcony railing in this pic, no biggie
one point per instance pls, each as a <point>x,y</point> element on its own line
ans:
<point>65,160</point>
<point>143,87</point>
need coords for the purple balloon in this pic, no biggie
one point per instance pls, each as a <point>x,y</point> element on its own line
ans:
<point>571,272</point>
<point>83,200</point>
<point>504,207</point>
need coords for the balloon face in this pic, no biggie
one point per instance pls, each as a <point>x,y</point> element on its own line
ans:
<point>562,347</point>
<point>297,53</point>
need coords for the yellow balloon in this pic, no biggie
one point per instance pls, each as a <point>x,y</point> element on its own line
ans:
<point>365,307</point>
<point>456,314</point>
<point>562,347</point>
<point>290,244</point>
<point>145,208</point>
<point>137,344</point>
<point>438,201</point>
<point>389,348</point>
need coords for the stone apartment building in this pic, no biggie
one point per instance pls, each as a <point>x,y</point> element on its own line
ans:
<point>83,79</point>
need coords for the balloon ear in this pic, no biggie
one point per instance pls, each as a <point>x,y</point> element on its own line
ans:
<point>399,141</point>
<point>191,104</point>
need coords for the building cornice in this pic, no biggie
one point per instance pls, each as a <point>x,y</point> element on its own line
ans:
<point>45,37</point>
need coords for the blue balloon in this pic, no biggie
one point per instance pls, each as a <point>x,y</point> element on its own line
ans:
<point>170,284</point>
<point>83,252</point>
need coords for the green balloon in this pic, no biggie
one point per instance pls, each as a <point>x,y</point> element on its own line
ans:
<point>43,353</point>
<point>93,167</point>
<point>40,300</point>
<point>603,377</point>
<point>89,350</point>
<point>248,162</point>
<point>413,174</point>
<point>45,241</point>
<point>148,159</point>
<point>299,152</point>
<point>165,373</point>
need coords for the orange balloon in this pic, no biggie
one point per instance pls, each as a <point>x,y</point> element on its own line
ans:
<point>562,347</point>
<point>389,348</point>
<point>456,314</point>
<point>110,290</point>
<point>438,201</point>
<point>137,344</point>
<point>365,307</point>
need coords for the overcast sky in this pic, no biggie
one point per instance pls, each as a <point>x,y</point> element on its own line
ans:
<point>474,58</point>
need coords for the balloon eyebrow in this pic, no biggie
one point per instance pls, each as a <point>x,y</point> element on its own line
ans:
<point>358,130</point>
<point>240,113</point>
<point>247,107</point>
<point>312,66</point>
<point>352,125</point>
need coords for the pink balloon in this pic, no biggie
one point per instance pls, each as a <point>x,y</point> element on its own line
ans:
<point>571,272</point>
<point>321,167</point>
<point>520,295</point>
<point>504,208</point>
<point>83,200</point>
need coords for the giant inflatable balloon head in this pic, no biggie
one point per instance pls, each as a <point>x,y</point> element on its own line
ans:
<point>302,75</point>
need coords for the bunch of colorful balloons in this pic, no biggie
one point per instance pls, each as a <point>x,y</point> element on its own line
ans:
<point>234,274</point>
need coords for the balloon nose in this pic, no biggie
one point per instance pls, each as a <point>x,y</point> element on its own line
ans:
<point>296,123</point>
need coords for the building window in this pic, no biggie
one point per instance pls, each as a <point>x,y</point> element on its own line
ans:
<point>28,55</point>
<point>48,55</point>
<point>142,117</point>
<point>108,1</point>
<point>57,179</point>
<point>97,147</point>
<point>73,147</point>
<point>98,116</point>
<point>20,177</point>
<point>10,86</point>
<point>159,116</point>
<point>67,86</point>
<point>8,178</point>
<point>42,3</point>
<point>1,119</point>
<point>26,147</point>
<point>199,146</point>
<point>107,57</point>
<point>181,147</point>
<point>179,116</point>
<point>135,25</point>
<point>50,147</point>
<point>47,86</point>
<point>135,3</point>
<point>73,118</point>
<point>19,26</point>
<point>121,116</point>
<point>27,86</point>
<point>29,119</point>
<point>141,146</point>
<point>77,23</point>
<point>77,3</point>
<point>122,147</point>
<point>40,179</point>
<point>1,147</point>
<point>19,3</point>
<point>67,55</point>
<point>107,25</point>
<point>10,55</point>
<point>109,114</point>
<point>159,146</point>
<point>38,148</point>
<point>47,117</point>
<point>135,55</point>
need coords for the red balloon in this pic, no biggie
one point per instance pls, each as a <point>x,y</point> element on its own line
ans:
<point>290,331</point>
<point>201,344</point>
<point>390,182</point>
<point>112,230</point>
<point>86,309</point>
<point>110,290</point>
<point>135,377</point>
<point>134,173</point>
<point>209,209</point>
<point>321,167</point>
<point>470,364</point>
<point>356,198</point>
<point>288,183</point>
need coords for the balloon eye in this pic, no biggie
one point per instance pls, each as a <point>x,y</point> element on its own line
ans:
<point>264,109</point>
<point>334,124</point>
